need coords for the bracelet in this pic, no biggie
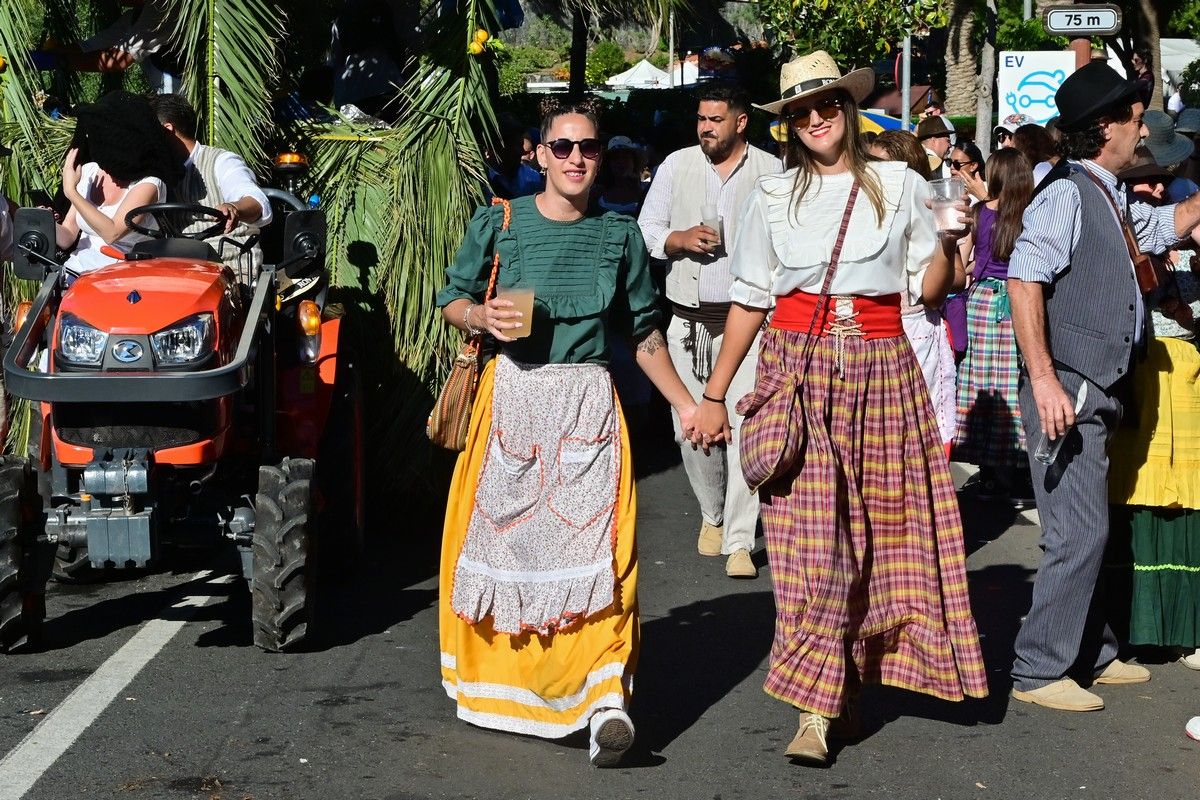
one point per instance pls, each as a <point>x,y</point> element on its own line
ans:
<point>471,329</point>
<point>713,399</point>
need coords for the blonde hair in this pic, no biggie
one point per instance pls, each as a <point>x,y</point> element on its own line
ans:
<point>857,159</point>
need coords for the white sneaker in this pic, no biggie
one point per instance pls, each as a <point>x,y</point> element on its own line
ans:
<point>1193,728</point>
<point>612,735</point>
<point>1192,660</point>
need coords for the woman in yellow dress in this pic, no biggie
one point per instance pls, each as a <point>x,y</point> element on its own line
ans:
<point>538,608</point>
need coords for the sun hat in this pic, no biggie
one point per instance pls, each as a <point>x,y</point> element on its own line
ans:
<point>1012,122</point>
<point>817,72</point>
<point>1167,146</point>
<point>1089,92</point>
<point>1144,168</point>
<point>931,127</point>
<point>621,143</point>
<point>1188,121</point>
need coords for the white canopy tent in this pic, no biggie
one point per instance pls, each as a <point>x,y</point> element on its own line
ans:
<point>642,75</point>
<point>1176,54</point>
<point>686,72</point>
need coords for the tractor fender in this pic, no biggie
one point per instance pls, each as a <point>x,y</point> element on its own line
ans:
<point>304,393</point>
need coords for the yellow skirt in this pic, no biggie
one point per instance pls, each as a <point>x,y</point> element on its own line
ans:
<point>545,686</point>
<point>1155,455</point>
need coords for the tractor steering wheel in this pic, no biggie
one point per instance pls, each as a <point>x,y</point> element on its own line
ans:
<point>168,224</point>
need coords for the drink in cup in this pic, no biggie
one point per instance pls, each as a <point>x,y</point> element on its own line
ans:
<point>1048,449</point>
<point>710,219</point>
<point>522,300</point>
<point>944,195</point>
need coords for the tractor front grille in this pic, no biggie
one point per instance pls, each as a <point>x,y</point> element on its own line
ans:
<point>154,426</point>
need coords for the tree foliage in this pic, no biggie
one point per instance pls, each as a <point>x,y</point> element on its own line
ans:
<point>856,34</point>
<point>606,59</point>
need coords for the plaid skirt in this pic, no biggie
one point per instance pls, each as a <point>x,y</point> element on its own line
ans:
<point>989,431</point>
<point>865,540</point>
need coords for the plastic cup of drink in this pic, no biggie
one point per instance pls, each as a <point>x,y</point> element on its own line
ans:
<point>944,195</point>
<point>522,300</point>
<point>710,219</point>
<point>1047,449</point>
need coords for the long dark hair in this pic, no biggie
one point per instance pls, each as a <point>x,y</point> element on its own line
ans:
<point>857,159</point>
<point>1010,181</point>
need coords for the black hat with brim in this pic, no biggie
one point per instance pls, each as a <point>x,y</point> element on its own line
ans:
<point>1145,168</point>
<point>1089,93</point>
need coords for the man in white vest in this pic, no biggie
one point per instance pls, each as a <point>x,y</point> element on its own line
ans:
<point>218,179</point>
<point>714,176</point>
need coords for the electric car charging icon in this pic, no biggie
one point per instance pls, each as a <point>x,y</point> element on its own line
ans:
<point>1034,94</point>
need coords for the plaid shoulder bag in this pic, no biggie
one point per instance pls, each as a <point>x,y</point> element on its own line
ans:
<point>451,415</point>
<point>774,429</point>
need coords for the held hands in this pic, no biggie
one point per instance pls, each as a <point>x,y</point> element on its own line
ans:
<point>1055,408</point>
<point>710,425</point>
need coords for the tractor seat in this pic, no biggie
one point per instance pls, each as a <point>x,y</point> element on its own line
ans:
<point>173,248</point>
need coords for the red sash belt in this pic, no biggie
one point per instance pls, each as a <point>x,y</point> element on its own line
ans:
<point>875,317</point>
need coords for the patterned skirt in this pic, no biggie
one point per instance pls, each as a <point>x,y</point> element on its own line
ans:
<point>538,685</point>
<point>989,431</point>
<point>930,342</point>
<point>1153,575</point>
<point>865,541</point>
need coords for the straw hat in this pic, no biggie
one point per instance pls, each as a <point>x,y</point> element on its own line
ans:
<point>817,72</point>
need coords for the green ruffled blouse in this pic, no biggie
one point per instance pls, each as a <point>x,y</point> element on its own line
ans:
<point>590,278</point>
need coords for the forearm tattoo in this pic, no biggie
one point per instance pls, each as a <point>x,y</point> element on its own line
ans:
<point>653,342</point>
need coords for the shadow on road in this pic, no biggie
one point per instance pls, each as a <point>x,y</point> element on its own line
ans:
<point>691,659</point>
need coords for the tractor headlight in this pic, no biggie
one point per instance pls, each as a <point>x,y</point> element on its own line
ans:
<point>184,342</point>
<point>80,343</point>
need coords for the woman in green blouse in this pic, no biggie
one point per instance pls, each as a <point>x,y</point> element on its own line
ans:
<point>538,609</point>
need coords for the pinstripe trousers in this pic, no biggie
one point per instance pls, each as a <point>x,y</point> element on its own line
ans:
<point>1065,632</point>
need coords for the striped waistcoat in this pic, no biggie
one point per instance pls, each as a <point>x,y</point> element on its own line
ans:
<point>1090,307</point>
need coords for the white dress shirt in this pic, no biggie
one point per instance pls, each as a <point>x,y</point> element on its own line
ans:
<point>236,181</point>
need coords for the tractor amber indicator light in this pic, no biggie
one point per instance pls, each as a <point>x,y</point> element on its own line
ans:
<point>309,316</point>
<point>22,312</point>
<point>290,159</point>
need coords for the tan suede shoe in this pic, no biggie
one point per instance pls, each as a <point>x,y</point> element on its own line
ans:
<point>740,565</point>
<point>1118,672</point>
<point>809,743</point>
<point>709,543</point>
<point>1064,695</point>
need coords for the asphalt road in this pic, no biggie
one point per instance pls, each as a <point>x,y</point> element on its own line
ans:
<point>150,688</point>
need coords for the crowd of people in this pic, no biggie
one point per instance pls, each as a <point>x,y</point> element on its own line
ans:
<point>828,345</point>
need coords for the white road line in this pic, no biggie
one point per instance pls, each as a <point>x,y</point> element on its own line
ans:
<point>45,744</point>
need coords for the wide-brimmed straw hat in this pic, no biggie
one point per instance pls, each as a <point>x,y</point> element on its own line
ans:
<point>817,72</point>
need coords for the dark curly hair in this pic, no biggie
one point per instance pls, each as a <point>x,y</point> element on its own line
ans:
<point>121,133</point>
<point>1086,142</point>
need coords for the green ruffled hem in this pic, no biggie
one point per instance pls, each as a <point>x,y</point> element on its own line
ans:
<point>1153,575</point>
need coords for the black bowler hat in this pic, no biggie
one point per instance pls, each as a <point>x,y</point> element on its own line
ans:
<point>1088,93</point>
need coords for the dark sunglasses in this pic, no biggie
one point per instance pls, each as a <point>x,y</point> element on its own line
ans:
<point>828,108</point>
<point>960,164</point>
<point>588,148</point>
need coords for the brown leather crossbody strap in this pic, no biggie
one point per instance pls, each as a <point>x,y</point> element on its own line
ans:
<point>1143,269</point>
<point>476,341</point>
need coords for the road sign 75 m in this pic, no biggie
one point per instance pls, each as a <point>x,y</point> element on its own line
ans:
<point>1082,20</point>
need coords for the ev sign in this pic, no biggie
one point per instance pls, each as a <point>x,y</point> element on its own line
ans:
<point>1027,81</point>
<point>1082,20</point>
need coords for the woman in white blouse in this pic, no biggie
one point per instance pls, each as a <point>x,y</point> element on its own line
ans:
<point>859,512</point>
<point>128,165</point>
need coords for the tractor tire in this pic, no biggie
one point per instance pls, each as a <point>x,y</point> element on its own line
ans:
<point>284,554</point>
<point>24,563</point>
<point>342,475</point>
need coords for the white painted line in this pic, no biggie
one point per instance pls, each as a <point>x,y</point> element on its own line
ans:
<point>45,744</point>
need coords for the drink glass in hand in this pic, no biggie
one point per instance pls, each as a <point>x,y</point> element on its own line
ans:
<point>710,219</point>
<point>944,195</point>
<point>1047,449</point>
<point>522,300</point>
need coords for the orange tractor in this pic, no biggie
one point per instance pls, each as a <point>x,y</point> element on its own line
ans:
<point>179,405</point>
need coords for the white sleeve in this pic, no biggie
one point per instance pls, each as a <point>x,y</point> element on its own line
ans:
<point>752,260</point>
<point>922,235</point>
<point>236,181</point>
<point>655,217</point>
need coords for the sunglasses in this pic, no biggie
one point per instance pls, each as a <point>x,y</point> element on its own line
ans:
<point>828,108</point>
<point>588,148</point>
<point>960,164</point>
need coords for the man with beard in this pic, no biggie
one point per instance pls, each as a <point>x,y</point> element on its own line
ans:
<point>690,185</point>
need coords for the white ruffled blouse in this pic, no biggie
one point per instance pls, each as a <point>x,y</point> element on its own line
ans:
<point>782,246</point>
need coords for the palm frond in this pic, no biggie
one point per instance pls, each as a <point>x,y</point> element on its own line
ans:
<point>230,54</point>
